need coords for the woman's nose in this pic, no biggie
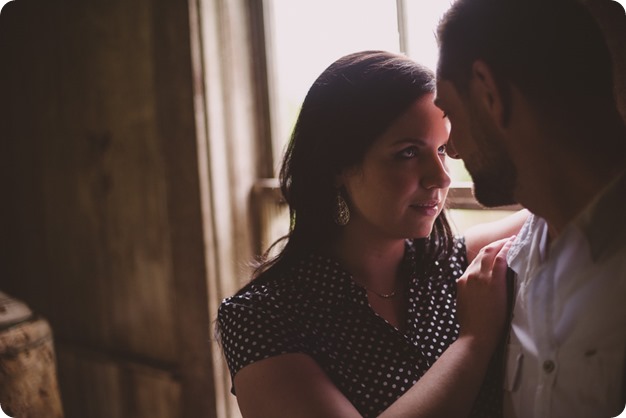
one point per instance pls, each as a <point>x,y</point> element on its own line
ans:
<point>436,174</point>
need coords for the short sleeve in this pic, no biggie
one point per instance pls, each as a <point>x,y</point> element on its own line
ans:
<point>253,328</point>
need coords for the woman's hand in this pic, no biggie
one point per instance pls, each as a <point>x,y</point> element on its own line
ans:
<point>481,295</point>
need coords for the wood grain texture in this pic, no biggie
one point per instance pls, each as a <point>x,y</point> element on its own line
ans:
<point>101,216</point>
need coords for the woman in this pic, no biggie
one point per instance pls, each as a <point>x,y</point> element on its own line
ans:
<point>357,315</point>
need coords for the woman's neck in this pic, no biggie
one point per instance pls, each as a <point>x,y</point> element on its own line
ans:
<point>374,264</point>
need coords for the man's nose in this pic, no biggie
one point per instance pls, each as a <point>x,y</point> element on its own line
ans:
<point>451,150</point>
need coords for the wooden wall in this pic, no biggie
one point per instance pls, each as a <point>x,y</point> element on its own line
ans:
<point>100,213</point>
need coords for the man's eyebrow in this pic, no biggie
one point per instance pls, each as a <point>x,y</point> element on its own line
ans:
<point>437,102</point>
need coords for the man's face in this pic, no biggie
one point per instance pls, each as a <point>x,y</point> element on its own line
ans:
<point>474,138</point>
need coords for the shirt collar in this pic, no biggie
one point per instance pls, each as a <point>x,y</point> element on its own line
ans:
<point>600,222</point>
<point>529,246</point>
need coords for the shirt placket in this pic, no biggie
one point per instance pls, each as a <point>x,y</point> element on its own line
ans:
<point>547,352</point>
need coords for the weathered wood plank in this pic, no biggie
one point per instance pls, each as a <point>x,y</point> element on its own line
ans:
<point>110,387</point>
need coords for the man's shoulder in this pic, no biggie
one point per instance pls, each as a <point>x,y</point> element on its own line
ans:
<point>605,223</point>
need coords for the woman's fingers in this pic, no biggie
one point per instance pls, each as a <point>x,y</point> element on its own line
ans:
<point>481,298</point>
<point>500,264</point>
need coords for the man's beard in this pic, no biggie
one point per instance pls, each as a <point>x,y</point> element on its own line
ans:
<point>494,185</point>
<point>493,172</point>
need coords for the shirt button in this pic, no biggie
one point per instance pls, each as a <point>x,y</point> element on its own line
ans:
<point>548,366</point>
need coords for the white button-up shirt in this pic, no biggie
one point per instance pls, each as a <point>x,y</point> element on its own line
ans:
<point>567,347</point>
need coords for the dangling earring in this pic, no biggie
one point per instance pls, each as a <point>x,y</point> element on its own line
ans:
<point>342,211</point>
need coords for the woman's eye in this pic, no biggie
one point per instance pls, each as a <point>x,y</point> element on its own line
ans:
<point>442,150</point>
<point>408,152</point>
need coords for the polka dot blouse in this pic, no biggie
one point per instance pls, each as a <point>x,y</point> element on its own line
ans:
<point>320,311</point>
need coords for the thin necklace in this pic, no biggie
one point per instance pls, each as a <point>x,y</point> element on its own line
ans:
<point>382,295</point>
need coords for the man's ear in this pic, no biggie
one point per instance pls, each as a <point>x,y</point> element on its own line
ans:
<point>488,93</point>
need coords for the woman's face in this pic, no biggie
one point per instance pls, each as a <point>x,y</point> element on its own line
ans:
<point>402,183</point>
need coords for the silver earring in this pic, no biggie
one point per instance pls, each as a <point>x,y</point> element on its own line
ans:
<point>342,211</point>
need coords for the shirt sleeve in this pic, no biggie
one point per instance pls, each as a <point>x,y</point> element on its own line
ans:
<point>252,328</point>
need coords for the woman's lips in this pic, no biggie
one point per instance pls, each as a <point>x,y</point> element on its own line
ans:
<point>430,208</point>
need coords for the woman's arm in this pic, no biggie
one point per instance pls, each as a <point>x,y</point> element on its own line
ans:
<point>289,385</point>
<point>477,236</point>
<point>293,385</point>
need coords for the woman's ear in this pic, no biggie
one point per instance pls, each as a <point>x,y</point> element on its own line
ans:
<point>489,93</point>
<point>344,177</point>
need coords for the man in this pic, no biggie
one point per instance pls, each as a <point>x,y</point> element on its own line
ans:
<point>527,86</point>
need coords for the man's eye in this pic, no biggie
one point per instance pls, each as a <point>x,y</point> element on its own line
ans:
<point>442,150</point>
<point>445,115</point>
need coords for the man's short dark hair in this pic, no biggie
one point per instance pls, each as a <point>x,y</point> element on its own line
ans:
<point>553,51</point>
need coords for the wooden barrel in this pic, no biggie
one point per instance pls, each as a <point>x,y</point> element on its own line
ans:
<point>28,380</point>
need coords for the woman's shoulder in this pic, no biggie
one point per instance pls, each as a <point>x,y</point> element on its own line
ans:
<point>310,279</point>
<point>260,321</point>
<point>259,307</point>
<point>259,294</point>
<point>276,286</point>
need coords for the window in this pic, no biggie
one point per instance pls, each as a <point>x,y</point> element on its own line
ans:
<point>307,36</point>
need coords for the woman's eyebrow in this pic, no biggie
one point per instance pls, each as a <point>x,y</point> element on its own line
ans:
<point>412,141</point>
